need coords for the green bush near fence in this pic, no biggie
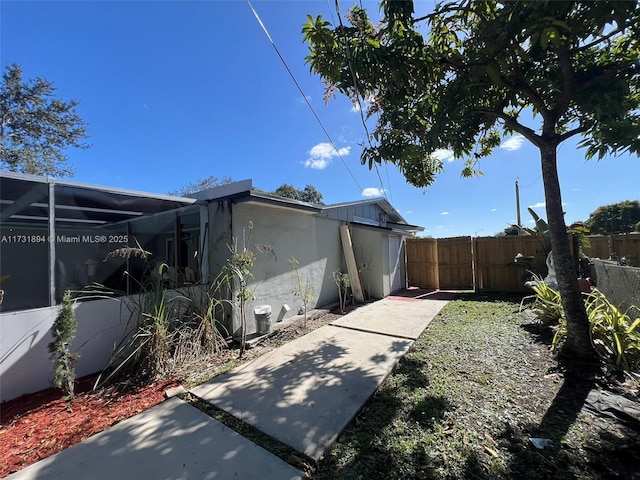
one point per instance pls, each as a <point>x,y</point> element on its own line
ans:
<point>615,335</point>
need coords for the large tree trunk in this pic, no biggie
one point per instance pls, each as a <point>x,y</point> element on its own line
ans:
<point>577,349</point>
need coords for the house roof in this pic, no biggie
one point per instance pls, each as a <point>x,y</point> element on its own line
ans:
<point>357,212</point>
<point>382,202</point>
<point>243,192</point>
<point>353,212</point>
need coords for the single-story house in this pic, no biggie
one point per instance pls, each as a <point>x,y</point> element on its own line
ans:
<point>60,235</point>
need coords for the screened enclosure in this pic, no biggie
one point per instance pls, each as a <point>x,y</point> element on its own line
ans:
<point>58,235</point>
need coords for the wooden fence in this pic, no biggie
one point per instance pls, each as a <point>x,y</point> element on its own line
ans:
<point>615,247</point>
<point>488,264</point>
<point>495,265</point>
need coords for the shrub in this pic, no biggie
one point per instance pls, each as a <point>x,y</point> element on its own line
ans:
<point>548,304</point>
<point>64,330</point>
<point>614,336</point>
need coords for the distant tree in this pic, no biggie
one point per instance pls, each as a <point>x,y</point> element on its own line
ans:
<point>287,191</point>
<point>510,231</point>
<point>621,217</point>
<point>470,73</point>
<point>200,185</point>
<point>35,127</point>
<point>637,229</point>
<point>310,194</point>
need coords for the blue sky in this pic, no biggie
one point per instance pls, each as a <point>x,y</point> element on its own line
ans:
<point>179,90</point>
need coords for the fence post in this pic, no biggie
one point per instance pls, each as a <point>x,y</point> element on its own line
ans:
<point>612,251</point>
<point>474,263</point>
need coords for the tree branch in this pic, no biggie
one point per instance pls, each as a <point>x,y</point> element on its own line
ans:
<point>571,133</point>
<point>607,74</point>
<point>513,124</point>
<point>420,19</point>
<point>516,126</point>
<point>582,48</point>
<point>568,83</point>
<point>517,84</point>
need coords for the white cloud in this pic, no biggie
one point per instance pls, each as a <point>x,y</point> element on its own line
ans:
<point>321,154</point>
<point>444,213</point>
<point>514,143</point>
<point>538,205</point>
<point>408,212</point>
<point>494,209</point>
<point>373,192</point>
<point>444,155</point>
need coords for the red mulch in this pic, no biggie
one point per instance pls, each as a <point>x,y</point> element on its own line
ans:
<point>38,425</point>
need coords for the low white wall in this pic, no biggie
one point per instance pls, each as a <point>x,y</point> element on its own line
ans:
<point>25,363</point>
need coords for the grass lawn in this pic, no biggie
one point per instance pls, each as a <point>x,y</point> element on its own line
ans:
<point>466,400</point>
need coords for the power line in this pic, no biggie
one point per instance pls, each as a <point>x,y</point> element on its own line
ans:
<point>264,29</point>
<point>532,183</point>
<point>357,98</point>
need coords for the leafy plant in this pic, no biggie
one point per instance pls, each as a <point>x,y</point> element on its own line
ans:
<point>614,336</point>
<point>200,332</point>
<point>339,278</point>
<point>145,351</point>
<point>302,289</point>
<point>154,318</point>
<point>239,266</point>
<point>64,331</point>
<point>547,305</point>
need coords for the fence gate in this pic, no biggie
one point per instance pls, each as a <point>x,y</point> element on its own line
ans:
<point>422,263</point>
<point>455,263</point>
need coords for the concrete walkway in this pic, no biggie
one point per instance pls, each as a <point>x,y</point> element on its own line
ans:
<point>307,391</point>
<point>303,394</point>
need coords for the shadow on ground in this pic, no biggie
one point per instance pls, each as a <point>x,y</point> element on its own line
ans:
<point>307,391</point>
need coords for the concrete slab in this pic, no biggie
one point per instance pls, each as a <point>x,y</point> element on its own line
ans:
<point>403,317</point>
<point>307,391</point>
<point>170,441</point>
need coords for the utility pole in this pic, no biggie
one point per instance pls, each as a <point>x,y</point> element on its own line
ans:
<point>518,205</point>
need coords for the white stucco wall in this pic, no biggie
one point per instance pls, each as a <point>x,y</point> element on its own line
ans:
<point>313,241</point>
<point>25,364</point>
